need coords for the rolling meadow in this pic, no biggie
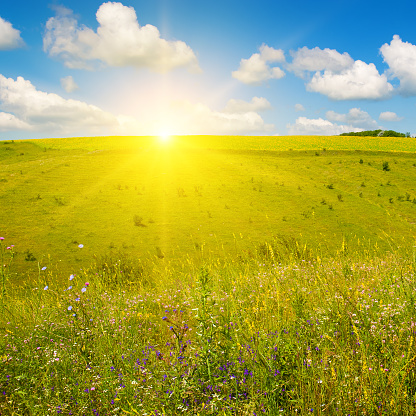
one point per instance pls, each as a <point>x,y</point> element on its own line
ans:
<point>208,275</point>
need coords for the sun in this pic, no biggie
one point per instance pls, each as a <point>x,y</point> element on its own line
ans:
<point>165,137</point>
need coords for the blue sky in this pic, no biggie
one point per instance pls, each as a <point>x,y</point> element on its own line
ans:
<point>88,68</point>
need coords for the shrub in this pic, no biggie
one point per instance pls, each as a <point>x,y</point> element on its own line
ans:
<point>138,221</point>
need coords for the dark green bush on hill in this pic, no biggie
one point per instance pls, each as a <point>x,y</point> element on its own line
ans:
<point>377,133</point>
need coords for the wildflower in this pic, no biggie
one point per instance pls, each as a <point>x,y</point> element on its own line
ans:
<point>46,288</point>
<point>44,268</point>
<point>71,277</point>
<point>83,289</point>
<point>87,284</point>
<point>1,238</point>
<point>81,246</point>
<point>70,308</point>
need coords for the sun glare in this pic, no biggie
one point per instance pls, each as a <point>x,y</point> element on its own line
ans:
<point>164,137</point>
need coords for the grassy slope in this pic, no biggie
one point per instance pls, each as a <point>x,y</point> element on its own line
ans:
<point>200,192</point>
<point>245,336</point>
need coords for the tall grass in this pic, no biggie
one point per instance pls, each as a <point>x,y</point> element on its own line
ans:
<point>275,332</point>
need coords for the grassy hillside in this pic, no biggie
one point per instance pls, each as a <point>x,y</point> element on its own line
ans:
<point>235,280</point>
<point>201,194</point>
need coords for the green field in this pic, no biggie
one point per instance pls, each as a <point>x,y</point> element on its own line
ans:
<point>226,276</point>
<point>212,194</point>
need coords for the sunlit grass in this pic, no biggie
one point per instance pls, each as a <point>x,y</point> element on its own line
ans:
<point>207,276</point>
<point>191,197</point>
<point>278,333</point>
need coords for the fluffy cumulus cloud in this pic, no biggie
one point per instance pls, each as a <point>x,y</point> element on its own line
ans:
<point>23,107</point>
<point>238,117</point>
<point>68,84</point>
<point>119,41</point>
<point>318,126</point>
<point>9,122</point>
<point>299,107</point>
<point>401,58</point>
<point>358,82</point>
<point>241,106</point>
<point>389,116</point>
<point>355,118</point>
<point>257,69</point>
<point>9,36</point>
<point>30,109</point>
<point>316,59</point>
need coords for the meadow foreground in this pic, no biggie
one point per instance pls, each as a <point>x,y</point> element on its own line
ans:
<point>244,337</point>
<point>165,280</point>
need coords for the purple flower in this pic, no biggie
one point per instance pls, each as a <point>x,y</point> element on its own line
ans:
<point>81,246</point>
<point>70,308</point>
<point>44,268</point>
<point>1,238</point>
<point>71,277</point>
<point>83,289</point>
<point>45,288</point>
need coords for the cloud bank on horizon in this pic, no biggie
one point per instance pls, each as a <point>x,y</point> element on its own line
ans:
<point>168,84</point>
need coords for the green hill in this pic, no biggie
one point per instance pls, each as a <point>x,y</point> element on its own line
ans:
<point>200,195</point>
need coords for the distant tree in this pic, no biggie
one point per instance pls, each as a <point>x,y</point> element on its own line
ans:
<point>376,133</point>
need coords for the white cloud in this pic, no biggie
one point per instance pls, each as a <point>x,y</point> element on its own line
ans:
<point>119,41</point>
<point>401,58</point>
<point>46,113</point>
<point>256,69</point>
<point>389,116</point>
<point>355,117</point>
<point>317,59</point>
<point>299,107</point>
<point>319,126</point>
<point>9,122</point>
<point>241,106</point>
<point>68,84</point>
<point>9,36</point>
<point>200,119</point>
<point>43,111</point>
<point>361,81</point>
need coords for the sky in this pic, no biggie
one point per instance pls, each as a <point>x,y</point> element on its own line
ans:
<point>93,68</point>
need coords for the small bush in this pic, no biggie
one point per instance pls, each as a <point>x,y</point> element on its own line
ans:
<point>386,167</point>
<point>29,256</point>
<point>138,221</point>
